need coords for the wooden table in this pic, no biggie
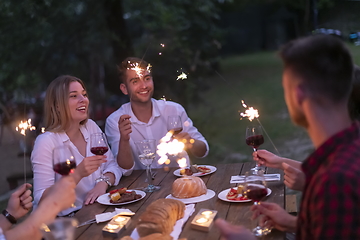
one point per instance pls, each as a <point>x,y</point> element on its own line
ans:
<point>236,213</point>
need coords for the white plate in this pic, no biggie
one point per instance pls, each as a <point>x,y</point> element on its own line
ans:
<point>198,174</point>
<point>209,194</point>
<point>222,196</point>
<point>105,198</point>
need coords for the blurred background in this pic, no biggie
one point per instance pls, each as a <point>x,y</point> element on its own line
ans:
<point>227,49</point>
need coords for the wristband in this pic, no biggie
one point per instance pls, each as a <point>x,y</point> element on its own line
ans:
<point>9,217</point>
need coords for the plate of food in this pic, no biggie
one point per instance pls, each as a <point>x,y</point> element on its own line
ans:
<point>195,170</point>
<point>208,195</point>
<point>121,196</point>
<point>234,195</point>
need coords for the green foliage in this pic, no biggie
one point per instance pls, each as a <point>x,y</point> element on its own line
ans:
<point>189,30</point>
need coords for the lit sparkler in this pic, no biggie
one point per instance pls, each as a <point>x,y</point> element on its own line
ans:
<point>250,112</point>
<point>23,126</point>
<point>138,69</point>
<point>182,76</point>
<point>169,147</point>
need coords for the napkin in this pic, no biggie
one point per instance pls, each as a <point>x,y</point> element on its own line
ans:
<point>189,210</point>
<point>268,177</point>
<point>103,217</point>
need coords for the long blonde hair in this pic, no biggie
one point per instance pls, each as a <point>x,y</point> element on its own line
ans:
<point>56,106</point>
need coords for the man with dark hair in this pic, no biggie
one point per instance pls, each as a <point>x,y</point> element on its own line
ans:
<point>317,80</point>
<point>146,118</point>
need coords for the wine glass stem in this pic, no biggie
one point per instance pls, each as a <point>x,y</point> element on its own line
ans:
<point>257,164</point>
<point>148,174</point>
<point>257,219</point>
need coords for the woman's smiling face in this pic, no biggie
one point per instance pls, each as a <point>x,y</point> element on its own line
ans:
<point>78,102</point>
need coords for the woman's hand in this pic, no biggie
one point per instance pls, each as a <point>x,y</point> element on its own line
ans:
<point>89,165</point>
<point>99,189</point>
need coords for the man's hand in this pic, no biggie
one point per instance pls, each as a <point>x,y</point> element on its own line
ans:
<point>125,127</point>
<point>264,157</point>
<point>275,216</point>
<point>293,178</point>
<point>20,201</point>
<point>232,232</point>
<point>185,138</point>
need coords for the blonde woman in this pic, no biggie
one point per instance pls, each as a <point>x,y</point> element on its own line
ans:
<point>67,123</point>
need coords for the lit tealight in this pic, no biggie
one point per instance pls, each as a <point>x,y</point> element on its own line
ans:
<point>112,226</point>
<point>202,220</point>
<point>120,219</point>
<point>207,213</point>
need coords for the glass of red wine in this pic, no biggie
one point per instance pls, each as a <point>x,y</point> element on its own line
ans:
<point>64,161</point>
<point>254,138</point>
<point>255,189</point>
<point>174,124</point>
<point>99,146</point>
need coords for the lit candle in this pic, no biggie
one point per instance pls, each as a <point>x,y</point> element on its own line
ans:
<point>112,226</point>
<point>202,220</point>
<point>207,213</point>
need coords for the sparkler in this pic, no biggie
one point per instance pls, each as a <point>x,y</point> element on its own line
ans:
<point>23,126</point>
<point>251,114</point>
<point>170,147</point>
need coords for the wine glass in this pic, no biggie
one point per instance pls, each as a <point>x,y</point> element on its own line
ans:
<point>147,150</point>
<point>254,138</point>
<point>64,161</point>
<point>174,124</point>
<point>99,146</point>
<point>255,189</point>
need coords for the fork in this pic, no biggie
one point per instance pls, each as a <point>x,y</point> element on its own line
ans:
<point>87,222</point>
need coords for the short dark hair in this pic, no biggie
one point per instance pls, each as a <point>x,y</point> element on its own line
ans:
<point>128,63</point>
<point>354,101</point>
<point>323,63</point>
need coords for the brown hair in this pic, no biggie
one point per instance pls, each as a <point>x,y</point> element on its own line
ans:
<point>323,63</point>
<point>128,63</point>
<point>56,107</point>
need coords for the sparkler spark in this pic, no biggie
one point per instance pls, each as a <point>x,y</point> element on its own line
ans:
<point>162,45</point>
<point>250,112</point>
<point>169,147</point>
<point>138,69</point>
<point>23,126</point>
<point>182,76</point>
<point>163,98</point>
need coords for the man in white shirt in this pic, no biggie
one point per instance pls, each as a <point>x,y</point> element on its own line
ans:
<point>146,118</point>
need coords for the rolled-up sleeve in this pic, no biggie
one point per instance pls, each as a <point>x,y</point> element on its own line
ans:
<point>42,165</point>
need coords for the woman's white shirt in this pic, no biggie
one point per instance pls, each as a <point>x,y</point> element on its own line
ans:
<point>42,164</point>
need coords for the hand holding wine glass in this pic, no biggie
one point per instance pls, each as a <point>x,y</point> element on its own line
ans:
<point>147,150</point>
<point>99,146</point>
<point>255,189</point>
<point>174,124</point>
<point>254,138</point>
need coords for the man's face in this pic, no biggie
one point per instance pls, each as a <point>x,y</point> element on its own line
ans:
<point>291,95</point>
<point>138,85</point>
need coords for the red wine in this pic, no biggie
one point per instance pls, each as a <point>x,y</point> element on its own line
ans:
<point>256,193</point>
<point>176,130</point>
<point>99,150</point>
<point>64,168</point>
<point>255,140</point>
